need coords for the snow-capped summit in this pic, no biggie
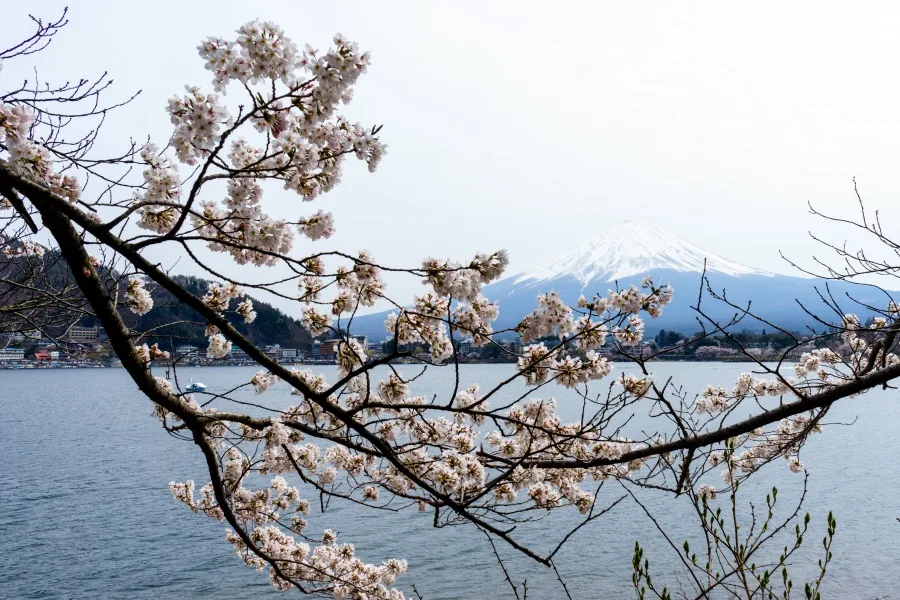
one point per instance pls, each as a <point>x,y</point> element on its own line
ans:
<point>630,251</point>
<point>629,248</point>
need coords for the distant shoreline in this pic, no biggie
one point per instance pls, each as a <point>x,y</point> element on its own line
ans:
<point>35,366</point>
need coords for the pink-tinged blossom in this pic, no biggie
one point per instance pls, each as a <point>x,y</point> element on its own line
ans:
<point>137,298</point>
<point>552,317</point>
<point>219,347</point>
<point>24,248</point>
<point>350,355</point>
<point>218,296</point>
<point>706,492</point>
<point>66,186</point>
<point>316,322</point>
<point>473,320</point>
<point>184,492</point>
<point>536,362</point>
<point>198,119</point>
<point>262,381</point>
<point>245,309</point>
<point>448,278</point>
<point>317,226</point>
<point>162,188</point>
<point>632,333</point>
<point>15,121</point>
<point>147,353</point>
<point>311,287</point>
<point>590,334</point>
<point>393,389</point>
<point>636,386</point>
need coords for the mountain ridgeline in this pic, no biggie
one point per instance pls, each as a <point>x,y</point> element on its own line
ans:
<point>626,253</point>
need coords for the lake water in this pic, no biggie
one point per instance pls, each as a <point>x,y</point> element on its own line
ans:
<point>85,510</point>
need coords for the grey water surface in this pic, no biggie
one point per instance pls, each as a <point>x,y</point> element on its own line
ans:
<point>85,510</point>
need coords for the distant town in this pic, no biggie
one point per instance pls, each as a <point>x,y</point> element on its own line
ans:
<point>88,347</point>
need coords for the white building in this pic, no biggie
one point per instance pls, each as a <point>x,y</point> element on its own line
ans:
<point>10,354</point>
<point>289,354</point>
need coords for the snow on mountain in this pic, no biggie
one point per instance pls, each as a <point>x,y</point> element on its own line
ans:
<point>629,251</point>
<point>629,248</point>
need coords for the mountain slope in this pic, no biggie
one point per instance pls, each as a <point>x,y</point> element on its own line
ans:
<point>174,323</point>
<point>624,254</point>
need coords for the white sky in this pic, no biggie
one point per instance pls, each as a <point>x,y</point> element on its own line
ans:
<point>532,126</point>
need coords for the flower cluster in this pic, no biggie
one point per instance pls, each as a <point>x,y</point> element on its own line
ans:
<point>330,564</point>
<point>147,353</point>
<point>473,319</point>
<point>24,247</point>
<point>262,381</point>
<point>634,300</point>
<point>424,323</point>
<point>262,51</point>
<point>636,386</point>
<point>318,226</point>
<point>316,322</point>
<point>552,317</point>
<point>15,128</point>
<point>305,141</point>
<point>717,399</point>
<point>813,361</point>
<point>538,363</point>
<point>706,492</point>
<point>162,189</point>
<point>464,282</point>
<point>245,309</point>
<point>539,433</point>
<point>350,355</point>
<point>137,298</point>
<point>241,229</point>
<point>219,347</point>
<point>360,285</point>
<point>198,119</point>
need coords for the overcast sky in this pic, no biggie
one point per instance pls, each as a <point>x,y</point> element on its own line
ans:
<point>532,126</point>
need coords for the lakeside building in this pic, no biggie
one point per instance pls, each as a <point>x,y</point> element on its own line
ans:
<point>86,334</point>
<point>328,348</point>
<point>288,354</point>
<point>12,354</point>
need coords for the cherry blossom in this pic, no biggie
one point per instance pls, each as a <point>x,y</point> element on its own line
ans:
<point>137,298</point>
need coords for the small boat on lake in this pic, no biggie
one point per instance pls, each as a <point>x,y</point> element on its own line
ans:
<point>195,387</point>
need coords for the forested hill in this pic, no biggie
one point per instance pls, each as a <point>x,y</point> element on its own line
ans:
<point>174,323</point>
<point>270,327</point>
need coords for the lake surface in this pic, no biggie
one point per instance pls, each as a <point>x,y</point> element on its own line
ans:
<point>85,510</point>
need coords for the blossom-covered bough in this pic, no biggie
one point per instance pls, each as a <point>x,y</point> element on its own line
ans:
<point>467,454</point>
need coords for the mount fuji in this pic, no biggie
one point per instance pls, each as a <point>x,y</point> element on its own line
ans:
<point>631,248</point>
<point>629,251</point>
